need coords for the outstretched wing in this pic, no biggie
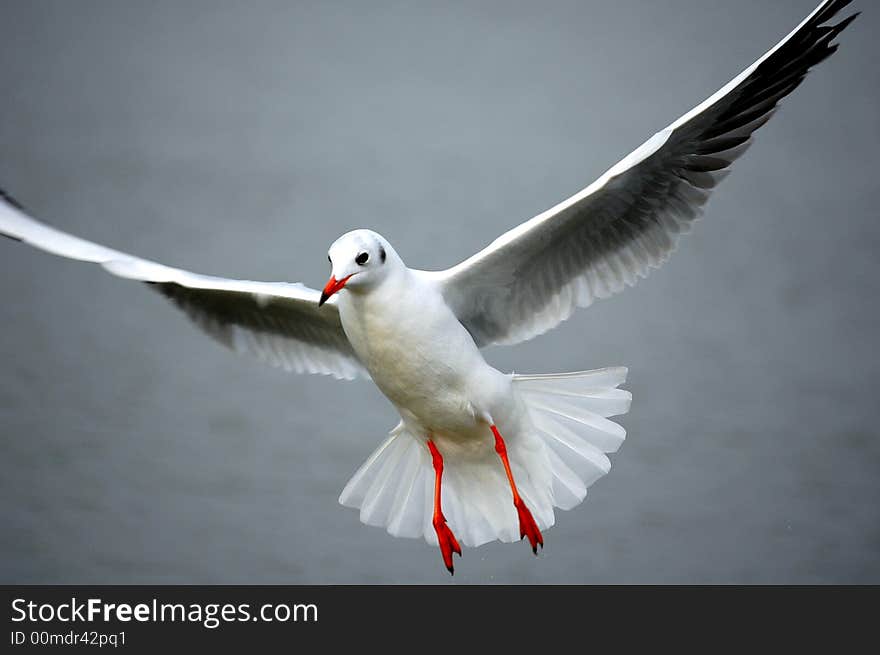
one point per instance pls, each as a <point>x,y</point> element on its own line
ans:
<point>627,222</point>
<point>278,322</point>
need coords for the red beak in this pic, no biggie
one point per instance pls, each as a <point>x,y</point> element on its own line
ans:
<point>333,285</point>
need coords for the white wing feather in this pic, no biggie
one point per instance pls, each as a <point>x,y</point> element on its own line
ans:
<point>278,322</point>
<point>627,222</point>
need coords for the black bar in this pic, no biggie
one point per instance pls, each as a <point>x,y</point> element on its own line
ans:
<point>376,617</point>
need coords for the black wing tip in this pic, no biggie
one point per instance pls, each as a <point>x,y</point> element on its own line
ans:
<point>824,32</point>
<point>830,12</point>
<point>842,25</point>
<point>826,44</point>
<point>12,201</point>
<point>832,8</point>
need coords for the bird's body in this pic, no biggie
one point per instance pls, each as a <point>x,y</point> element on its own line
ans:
<point>423,359</point>
<point>449,398</point>
<point>480,453</point>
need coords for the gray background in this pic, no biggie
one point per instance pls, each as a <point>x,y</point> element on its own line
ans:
<point>241,139</point>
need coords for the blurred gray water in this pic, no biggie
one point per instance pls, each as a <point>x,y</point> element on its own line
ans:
<point>241,138</point>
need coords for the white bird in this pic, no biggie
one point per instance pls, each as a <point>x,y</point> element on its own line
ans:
<point>479,454</point>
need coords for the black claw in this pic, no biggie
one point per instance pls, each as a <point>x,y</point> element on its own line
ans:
<point>451,570</point>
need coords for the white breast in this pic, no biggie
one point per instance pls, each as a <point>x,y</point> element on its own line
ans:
<point>419,355</point>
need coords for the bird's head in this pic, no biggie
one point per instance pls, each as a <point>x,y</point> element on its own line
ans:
<point>359,259</point>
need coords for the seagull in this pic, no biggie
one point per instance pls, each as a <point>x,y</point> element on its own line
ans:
<point>481,455</point>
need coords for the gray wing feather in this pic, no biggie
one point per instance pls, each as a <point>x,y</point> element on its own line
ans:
<point>279,323</point>
<point>627,222</point>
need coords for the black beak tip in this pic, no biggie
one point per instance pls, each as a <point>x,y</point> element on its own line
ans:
<point>323,299</point>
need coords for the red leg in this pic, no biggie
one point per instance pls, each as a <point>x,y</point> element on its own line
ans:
<point>448,542</point>
<point>527,526</point>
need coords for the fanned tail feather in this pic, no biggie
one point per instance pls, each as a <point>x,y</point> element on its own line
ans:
<point>393,488</point>
<point>570,412</point>
<point>563,454</point>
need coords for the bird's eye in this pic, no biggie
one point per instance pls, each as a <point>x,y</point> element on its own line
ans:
<point>362,258</point>
<point>329,260</point>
